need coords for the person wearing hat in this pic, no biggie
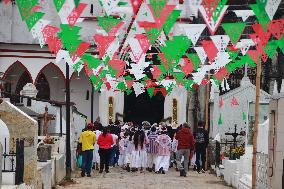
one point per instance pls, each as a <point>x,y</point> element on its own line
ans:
<point>87,140</point>
<point>164,152</point>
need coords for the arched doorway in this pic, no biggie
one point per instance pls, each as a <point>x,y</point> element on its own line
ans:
<point>50,83</point>
<point>42,86</point>
<point>144,108</point>
<point>19,76</point>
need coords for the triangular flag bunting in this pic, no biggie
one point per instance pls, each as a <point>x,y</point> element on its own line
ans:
<point>244,14</point>
<point>192,31</point>
<point>234,30</point>
<point>107,23</point>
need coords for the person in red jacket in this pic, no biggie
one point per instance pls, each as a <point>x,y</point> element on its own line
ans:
<point>185,142</point>
<point>105,142</point>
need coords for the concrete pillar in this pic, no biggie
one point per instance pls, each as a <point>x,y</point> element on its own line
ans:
<point>190,108</point>
<point>201,98</point>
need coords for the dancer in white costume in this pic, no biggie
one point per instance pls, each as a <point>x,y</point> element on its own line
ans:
<point>122,150</point>
<point>139,154</point>
<point>96,157</point>
<point>164,152</point>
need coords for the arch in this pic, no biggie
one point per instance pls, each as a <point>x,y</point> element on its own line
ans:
<point>43,87</point>
<point>13,65</point>
<point>46,66</point>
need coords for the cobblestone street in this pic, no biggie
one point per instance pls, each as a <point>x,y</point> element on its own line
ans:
<point>120,179</point>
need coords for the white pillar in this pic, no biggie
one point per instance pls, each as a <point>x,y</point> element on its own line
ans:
<point>275,90</point>
<point>282,86</point>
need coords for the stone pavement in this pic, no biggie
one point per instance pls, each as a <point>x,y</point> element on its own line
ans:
<point>120,179</point>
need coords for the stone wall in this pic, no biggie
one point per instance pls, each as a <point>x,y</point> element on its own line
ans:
<point>24,127</point>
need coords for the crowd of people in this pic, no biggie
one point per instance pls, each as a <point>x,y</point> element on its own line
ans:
<point>145,147</point>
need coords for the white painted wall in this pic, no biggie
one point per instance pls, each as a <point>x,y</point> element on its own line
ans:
<point>232,115</point>
<point>4,133</point>
<point>79,85</point>
<point>180,94</point>
<point>118,104</point>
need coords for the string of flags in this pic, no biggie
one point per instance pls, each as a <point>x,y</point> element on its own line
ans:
<point>115,58</point>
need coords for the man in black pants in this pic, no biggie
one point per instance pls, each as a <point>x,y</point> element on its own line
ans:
<point>201,143</point>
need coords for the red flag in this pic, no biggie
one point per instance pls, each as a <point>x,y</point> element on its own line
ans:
<point>75,14</point>
<point>221,102</point>
<point>210,49</point>
<point>103,43</point>
<point>234,102</point>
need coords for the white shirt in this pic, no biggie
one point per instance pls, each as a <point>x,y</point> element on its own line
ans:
<point>114,137</point>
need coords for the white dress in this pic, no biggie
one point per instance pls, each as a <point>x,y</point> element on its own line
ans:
<point>96,157</point>
<point>122,152</point>
<point>128,151</point>
<point>139,155</point>
<point>139,158</point>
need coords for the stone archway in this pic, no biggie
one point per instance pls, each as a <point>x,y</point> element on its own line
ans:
<point>19,76</point>
<point>23,127</point>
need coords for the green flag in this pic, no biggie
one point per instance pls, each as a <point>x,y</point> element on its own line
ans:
<point>234,30</point>
<point>220,121</point>
<point>107,23</point>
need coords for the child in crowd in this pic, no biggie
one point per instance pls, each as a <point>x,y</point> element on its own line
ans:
<point>122,150</point>
<point>129,146</point>
<point>139,154</point>
<point>174,146</point>
<point>164,152</point>
<point>152,148</point>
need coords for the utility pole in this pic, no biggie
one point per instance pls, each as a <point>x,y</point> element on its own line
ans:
<point>207,115</point>
<point>68,149</point>
<point>255,129</point>
<point>92,103</point>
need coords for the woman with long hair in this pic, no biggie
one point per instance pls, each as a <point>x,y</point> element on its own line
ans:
<point>139,154</point>
<point>105,142</point>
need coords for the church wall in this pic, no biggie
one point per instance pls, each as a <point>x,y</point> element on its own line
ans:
<point>118,105</point>
<point>80,84</point>
<point>180,94</point>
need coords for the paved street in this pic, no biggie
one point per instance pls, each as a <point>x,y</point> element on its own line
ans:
<point>119,179</point>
